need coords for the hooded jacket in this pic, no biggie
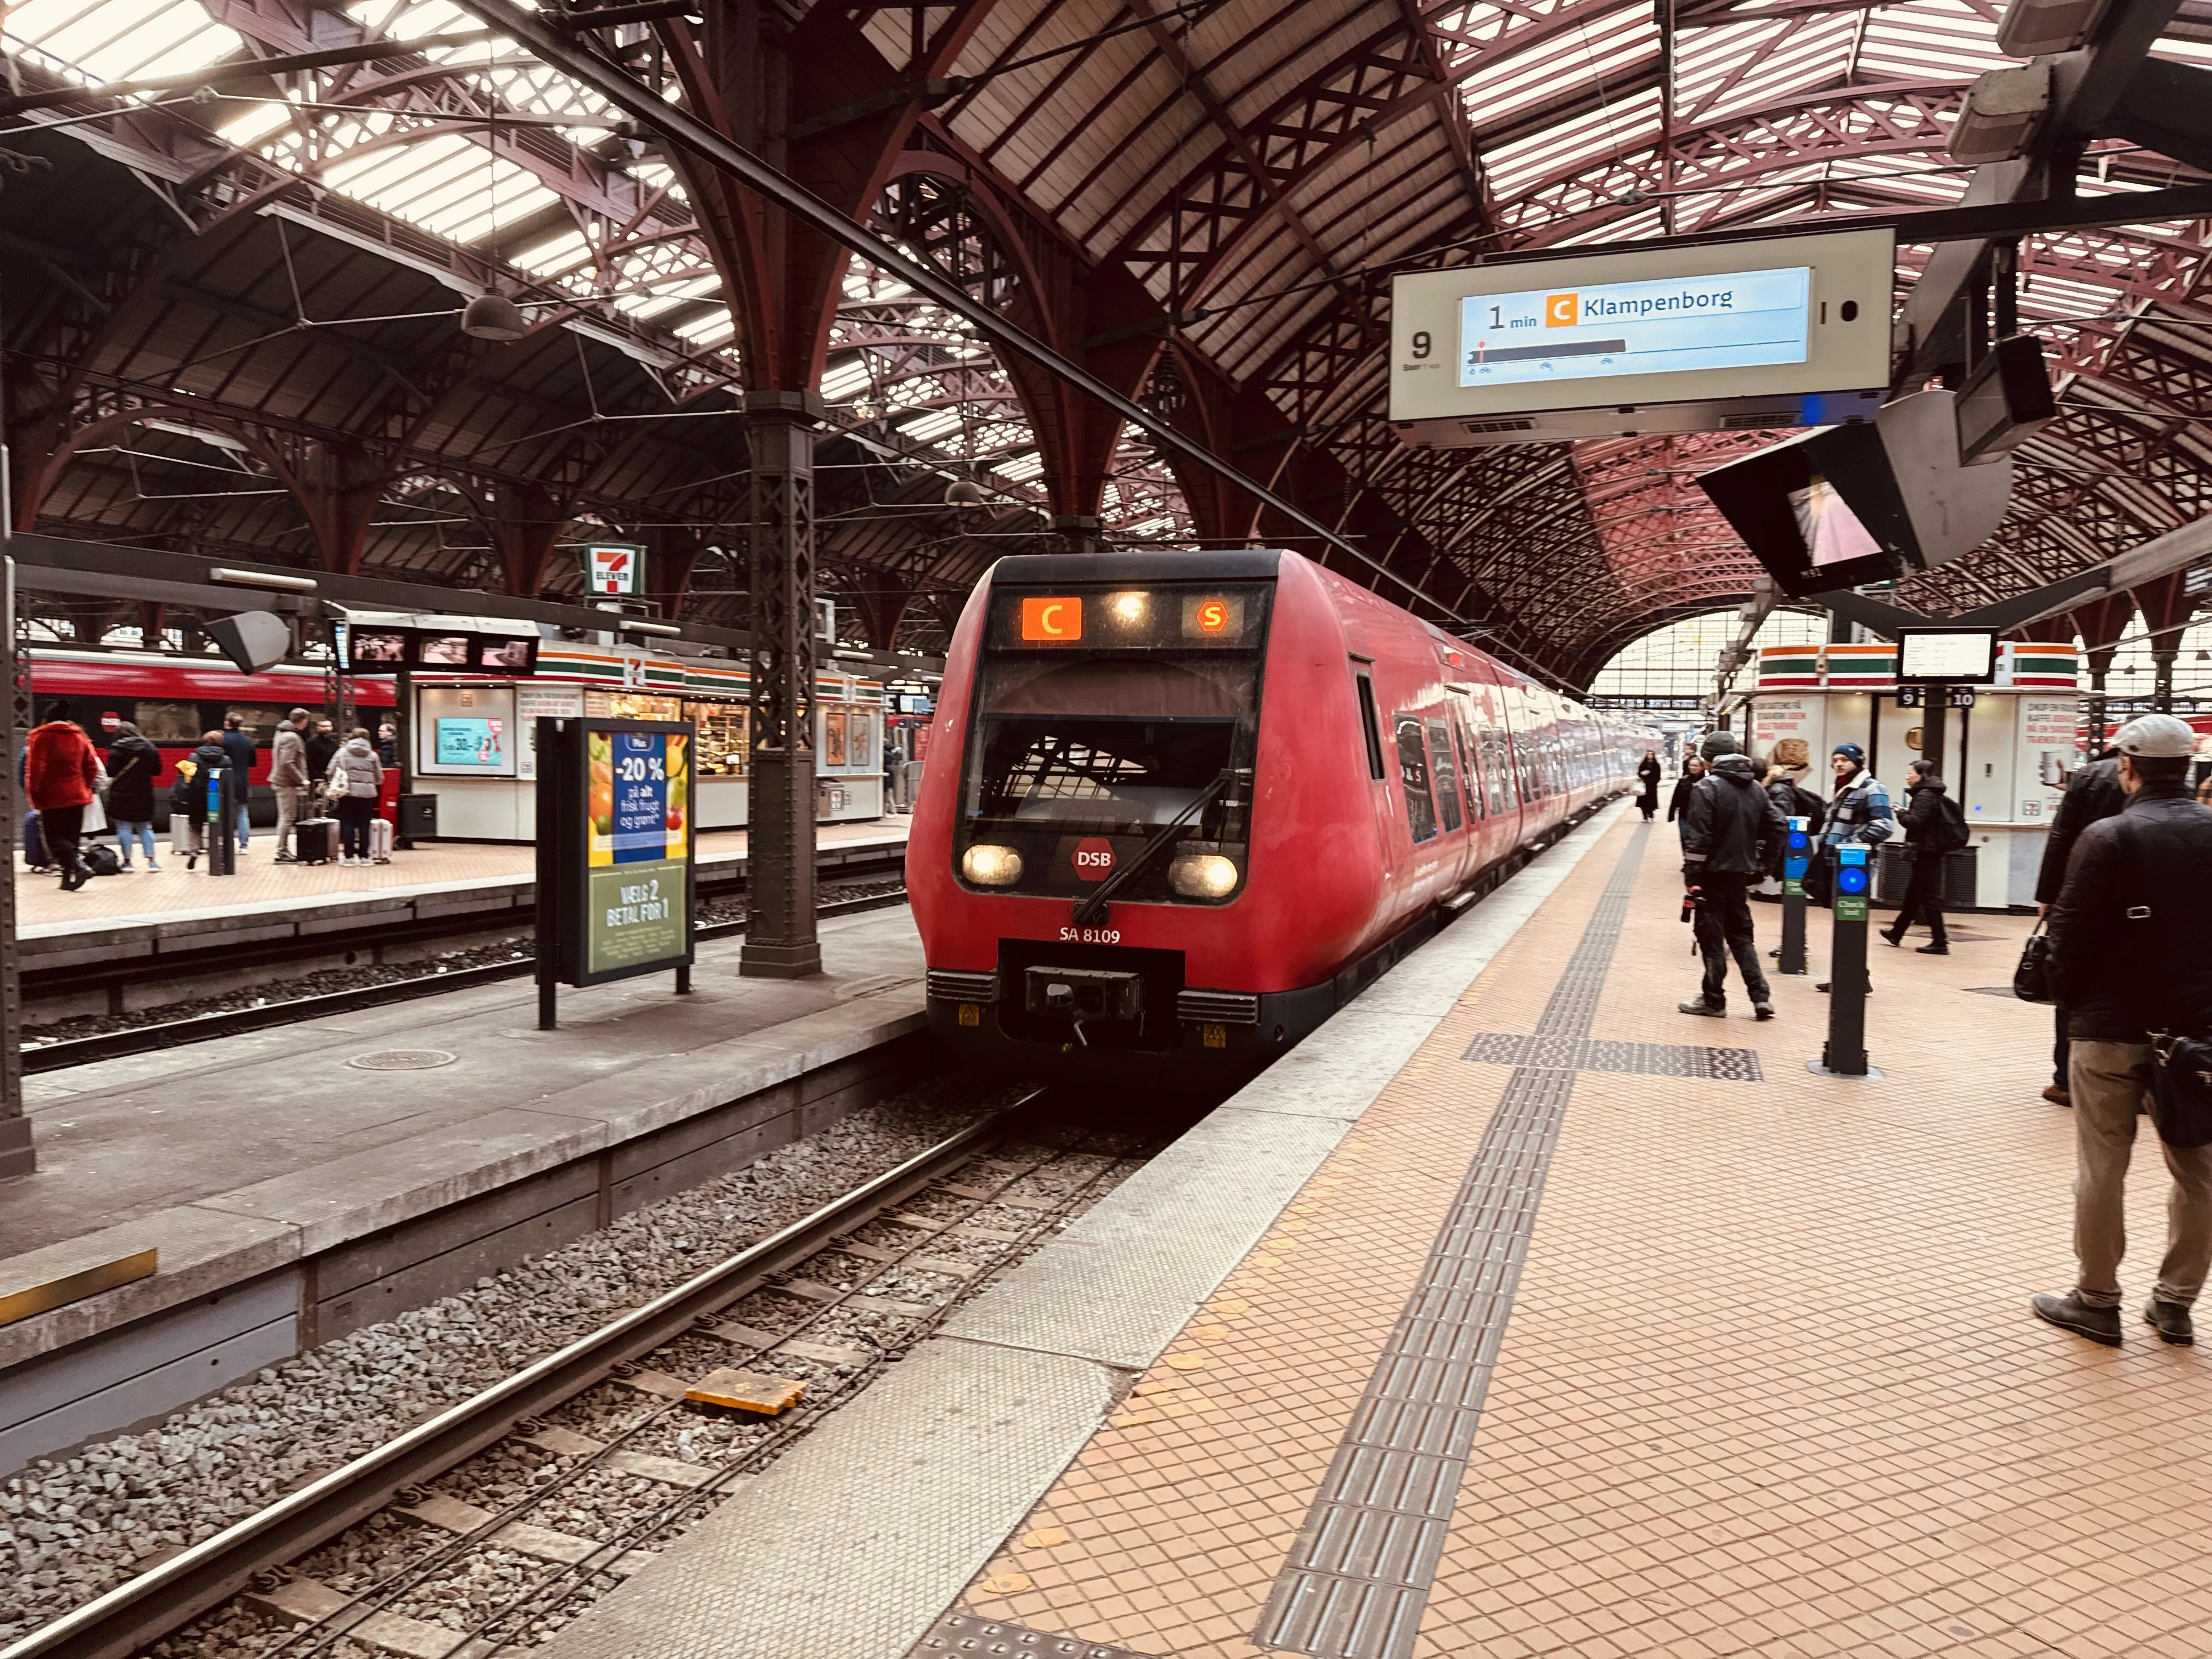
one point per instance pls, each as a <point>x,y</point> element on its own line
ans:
<point>2131,932</point>
<point>358,764</point>
<point>2093,794</point>
<point>60,766</point>
<point>132,765</point>
<point>1732,826</point>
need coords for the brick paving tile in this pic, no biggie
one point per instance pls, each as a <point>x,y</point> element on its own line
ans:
<point>1770,1386</point>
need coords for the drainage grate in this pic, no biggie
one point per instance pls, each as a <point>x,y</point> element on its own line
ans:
<point>964,1632</point>
<point>1357,1578</point>
<point>1559,1053</point>
<point>404,1060</point>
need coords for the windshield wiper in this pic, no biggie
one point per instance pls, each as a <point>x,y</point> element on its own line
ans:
<point>1092,906</point>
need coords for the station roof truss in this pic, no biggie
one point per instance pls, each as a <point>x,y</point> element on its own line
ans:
<point>232,309</point>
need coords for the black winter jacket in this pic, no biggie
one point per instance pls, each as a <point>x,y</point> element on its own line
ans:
<point>1678,805</point>
<point>188,794</point>
<point>132,764</point>
<point>2131,932</point>
<point>1923,817</point>
<point>1647,782</point>
<point>2092,793</point>
<point>1735,827</point>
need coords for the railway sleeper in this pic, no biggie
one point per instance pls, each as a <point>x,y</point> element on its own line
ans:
<point>523,1537</point>
<point>668,1471</point>
<point>310,1602</point>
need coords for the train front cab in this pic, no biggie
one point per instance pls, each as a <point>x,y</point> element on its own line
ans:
<point>1176,733</point>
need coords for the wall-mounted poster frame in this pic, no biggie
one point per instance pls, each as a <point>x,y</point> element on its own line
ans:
<point>616,883</point>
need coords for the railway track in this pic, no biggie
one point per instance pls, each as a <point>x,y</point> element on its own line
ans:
<point>924,1226</point>
<point>231,1022</point>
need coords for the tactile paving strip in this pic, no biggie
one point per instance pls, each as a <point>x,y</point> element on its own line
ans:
<point>1357,1578</point>
<point>1595,1054</point>
<point>964,1632</point>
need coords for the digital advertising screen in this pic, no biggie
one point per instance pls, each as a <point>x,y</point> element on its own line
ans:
<point>467,741</point>
<point>376,648</point>
<point>1831,531</point>
<point>439,649</point>
<point>464,731</point>
<point>1738,319</point>
<point>496,655</point>
<point>637,847</point>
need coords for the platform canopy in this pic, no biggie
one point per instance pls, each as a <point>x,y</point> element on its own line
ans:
<point>233,304</point>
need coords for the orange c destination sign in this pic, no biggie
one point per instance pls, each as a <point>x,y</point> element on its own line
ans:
<point>1052,620</point>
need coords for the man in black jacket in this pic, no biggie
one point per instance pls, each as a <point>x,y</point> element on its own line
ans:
<point>1729,839</point>
<point>2093,793</point>
<point>2131,954</point>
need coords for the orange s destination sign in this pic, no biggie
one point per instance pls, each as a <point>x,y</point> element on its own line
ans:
<point>1562,310</point>
<point>1052,620</point>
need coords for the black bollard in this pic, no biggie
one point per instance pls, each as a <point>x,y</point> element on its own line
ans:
<point>1793,896</point>
<point>1845,1054</point>
<point>222,837</point>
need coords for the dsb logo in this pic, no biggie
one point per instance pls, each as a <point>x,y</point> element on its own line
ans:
<point>1094,858</point>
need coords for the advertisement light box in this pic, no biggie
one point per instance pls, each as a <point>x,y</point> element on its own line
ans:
<point>1788,332</point>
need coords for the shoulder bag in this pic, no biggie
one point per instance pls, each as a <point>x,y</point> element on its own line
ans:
<point>2181,1089</point>
<point>2030,980</point>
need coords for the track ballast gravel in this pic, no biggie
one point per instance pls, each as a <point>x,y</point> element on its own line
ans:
<point>70,1529</point>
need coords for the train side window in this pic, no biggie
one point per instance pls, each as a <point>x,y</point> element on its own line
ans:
<point>1413,773</point>
<point>1470,767</point>
<point>1496,762</point>
<point>168,722</point>
<point>1371,725</point>
<point>1445,767</point>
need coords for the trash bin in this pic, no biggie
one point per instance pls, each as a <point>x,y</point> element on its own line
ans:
<point>418,816</point>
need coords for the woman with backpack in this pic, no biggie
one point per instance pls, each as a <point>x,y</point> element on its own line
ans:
<point>132,764</point>
<point>1934,826</point>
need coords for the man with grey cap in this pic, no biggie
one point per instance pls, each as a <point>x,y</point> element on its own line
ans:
<point>2131,954</point>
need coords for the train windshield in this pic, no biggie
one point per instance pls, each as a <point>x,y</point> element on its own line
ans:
<point>1110,746</point>
<point>1114,715</point>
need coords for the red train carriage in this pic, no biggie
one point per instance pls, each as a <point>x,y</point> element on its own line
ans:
<point>172,700</point>
<point>1202,798</point>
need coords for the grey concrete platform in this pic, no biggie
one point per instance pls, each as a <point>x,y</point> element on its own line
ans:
<point>295,1195</point>
<point>852,1544</point>
<point>114,956</point>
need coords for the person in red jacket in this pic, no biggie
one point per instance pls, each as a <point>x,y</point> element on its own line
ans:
<point>59,768</point>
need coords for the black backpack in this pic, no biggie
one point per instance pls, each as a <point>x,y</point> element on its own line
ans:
<point>1948,834</point>
<point>99,858</point>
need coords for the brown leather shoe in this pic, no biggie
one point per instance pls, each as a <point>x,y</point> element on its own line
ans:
<point>2057,1096</point>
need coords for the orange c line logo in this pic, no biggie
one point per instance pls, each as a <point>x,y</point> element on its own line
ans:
<point>1560,310</point>
<point>1053,619</point>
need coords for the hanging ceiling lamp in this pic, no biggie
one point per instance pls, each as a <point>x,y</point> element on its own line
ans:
<point>963,492</point>
<point>494,317</point>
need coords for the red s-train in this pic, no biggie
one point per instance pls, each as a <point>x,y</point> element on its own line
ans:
<point>1182,806</point>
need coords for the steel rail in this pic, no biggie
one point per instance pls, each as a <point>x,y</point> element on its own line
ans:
<point>118,1623</point>
<point>232,1021</point>
<point>538,32</point>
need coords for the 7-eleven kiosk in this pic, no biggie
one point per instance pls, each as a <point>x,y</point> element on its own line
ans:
<point>2006,759</point>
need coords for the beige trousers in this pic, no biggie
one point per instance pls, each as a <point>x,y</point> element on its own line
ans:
<point>2110,1081</point>
<point>289,796</point>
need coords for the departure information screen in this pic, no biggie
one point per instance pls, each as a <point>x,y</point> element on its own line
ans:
<point>1740,320</point>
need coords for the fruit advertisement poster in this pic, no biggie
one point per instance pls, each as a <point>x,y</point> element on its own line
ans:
<point>637,847</point>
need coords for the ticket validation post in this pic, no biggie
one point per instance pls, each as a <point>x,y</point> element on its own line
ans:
<point>1794,863</point>
<point>1845,1054</point>
<point>616,890</point>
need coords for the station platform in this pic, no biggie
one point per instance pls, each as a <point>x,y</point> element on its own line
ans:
<point>1516,1313</point>
<point>145,939</point>
<point>301,1182</point>
<point>174,891</point>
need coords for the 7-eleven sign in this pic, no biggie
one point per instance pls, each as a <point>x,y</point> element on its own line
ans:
<point>614,567</point>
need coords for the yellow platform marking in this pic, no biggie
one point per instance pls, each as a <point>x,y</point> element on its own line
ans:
<point>33,1299</point>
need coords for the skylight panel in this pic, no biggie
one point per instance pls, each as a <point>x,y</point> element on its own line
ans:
<point>715,328</point>
<point>258,122</point>
<point>1020,469</point>
<point>564,253</point>
<point>847,379</point>
<point>936,424</point>
<point>99,41</point>
<point>644,305</point>
<point>443,183</point>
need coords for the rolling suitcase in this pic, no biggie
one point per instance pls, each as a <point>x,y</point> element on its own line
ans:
<point>380,840</point>
<point>315,841</point>
<point>34,843</point>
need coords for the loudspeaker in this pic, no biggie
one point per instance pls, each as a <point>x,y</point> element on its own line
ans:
<point>252,640</point>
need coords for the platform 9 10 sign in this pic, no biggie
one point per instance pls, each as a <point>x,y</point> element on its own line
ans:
<point>615,888</point>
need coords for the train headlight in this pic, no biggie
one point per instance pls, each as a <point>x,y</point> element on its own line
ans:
<point>1209,875</point>
<point>991,866</point>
